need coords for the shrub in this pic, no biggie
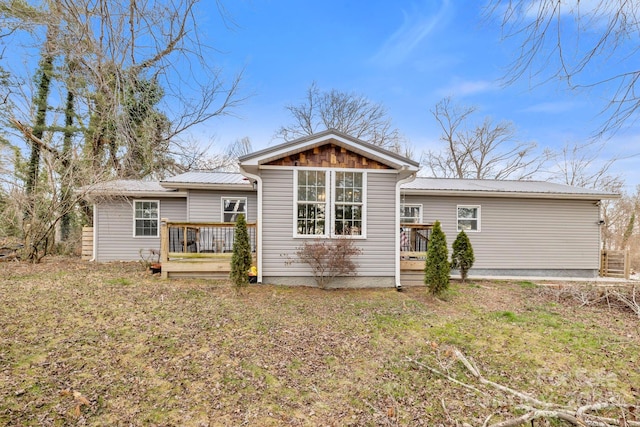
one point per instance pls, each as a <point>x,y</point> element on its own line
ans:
<point>462,256</point>
<point>241,258</point>
<point>437,267</point>
<point>329,259</point>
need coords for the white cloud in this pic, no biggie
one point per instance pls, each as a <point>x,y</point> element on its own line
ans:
<point>549,107</point>
<point>597,10</point>
<point>459,88</point>
<point>416,26</point>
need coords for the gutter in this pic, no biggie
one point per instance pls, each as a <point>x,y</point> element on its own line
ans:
<point>397,240</point>
<point>510,194</point>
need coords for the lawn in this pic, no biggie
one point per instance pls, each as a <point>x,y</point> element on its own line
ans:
<point>110,344</point>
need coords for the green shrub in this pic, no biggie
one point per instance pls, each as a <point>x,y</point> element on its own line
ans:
<point>241,258</point>
<point>437,267</point>
<point>462,257</point>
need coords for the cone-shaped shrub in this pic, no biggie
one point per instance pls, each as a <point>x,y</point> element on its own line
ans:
<point>241,258</point>
<point>437,267</point>
<point>462,256</point>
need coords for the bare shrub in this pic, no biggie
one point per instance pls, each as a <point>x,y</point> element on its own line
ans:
<point>328,259</point>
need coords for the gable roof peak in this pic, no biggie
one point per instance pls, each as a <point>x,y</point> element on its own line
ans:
<point>329,136</point>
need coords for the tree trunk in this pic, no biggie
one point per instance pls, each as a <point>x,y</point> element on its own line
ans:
<point>66,186</point>
<point>44,84</point>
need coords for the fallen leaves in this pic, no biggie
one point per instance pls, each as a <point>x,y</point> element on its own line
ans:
<point>78,399</point>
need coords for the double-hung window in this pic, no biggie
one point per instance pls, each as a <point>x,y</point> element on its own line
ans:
<point>348,203</point>
<point>410,214</point>
<point>311,206</point>
<point>146,217</point>
<point>329,203</point>
<point>232,207</point>
<point>468,218</point>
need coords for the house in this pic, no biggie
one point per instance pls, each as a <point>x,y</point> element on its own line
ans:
<point>331,185</point>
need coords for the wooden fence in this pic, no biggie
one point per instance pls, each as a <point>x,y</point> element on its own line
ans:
<point>87,243</point>
<point>615,264</point>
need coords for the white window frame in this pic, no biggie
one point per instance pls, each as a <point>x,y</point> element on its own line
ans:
<point>135,219</point>
<point>363,204</point>
<point>326,204</point>
<point>330,204</point>
<point>412,205</point>
<point>478,217</point>
<point>222,204</point>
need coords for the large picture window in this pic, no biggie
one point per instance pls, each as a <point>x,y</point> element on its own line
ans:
<point>329,203</point>
<point>311,204</point>
<point>348,203</point>
<point>146,214</point>
<point>232,207</point>
<point>469,218</point>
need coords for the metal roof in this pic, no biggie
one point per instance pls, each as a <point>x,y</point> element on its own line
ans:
<point>121,186</point>
<point>207,177</point>
<point>421,185</point>
<point>497,187</point>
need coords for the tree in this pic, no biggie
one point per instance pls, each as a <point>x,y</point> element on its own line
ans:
<point>437,267</point>
<point>131,78</point>
<point>485,151</point>
<point>582,165</point>
<point>350,113</point>
<point>241,258</point>
<point>462,257</point>
<point>577,43</point>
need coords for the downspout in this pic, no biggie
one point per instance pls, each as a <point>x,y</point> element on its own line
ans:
<point>398,185</point>
<point>258,221</point>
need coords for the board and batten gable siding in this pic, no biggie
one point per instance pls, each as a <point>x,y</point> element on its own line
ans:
<point>377,259</point>
<point>522,233</point>
<point>114,225</point>
<point>206,205</point>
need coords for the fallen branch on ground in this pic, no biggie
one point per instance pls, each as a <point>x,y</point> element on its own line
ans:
<point>537,409</point>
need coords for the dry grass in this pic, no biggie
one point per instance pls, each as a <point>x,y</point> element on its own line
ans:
<point>142,351</point>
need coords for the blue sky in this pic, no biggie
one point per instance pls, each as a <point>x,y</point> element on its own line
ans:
<point>406,55</point>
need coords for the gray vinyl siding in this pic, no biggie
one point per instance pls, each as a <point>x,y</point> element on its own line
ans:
<point>205,205</point>
<point>378,251</point>
<point>520,233</point>
<point>114,225</point>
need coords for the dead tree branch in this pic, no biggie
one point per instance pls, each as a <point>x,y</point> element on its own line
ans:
<point>535,408</point>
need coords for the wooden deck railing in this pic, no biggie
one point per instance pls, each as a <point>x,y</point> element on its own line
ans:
<point>199,248</point>
<point>414,240</point>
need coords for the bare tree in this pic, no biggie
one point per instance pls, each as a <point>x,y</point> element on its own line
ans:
<point>131,78</point>
<point>485,151</point>
<point>582,165</point>
<point>577,42</point>
<point>350,113</point>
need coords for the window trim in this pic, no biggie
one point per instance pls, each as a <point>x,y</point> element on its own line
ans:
<point>330,203</point>
<point>135,202</point>
<point>363,231</point>
<point>327,182</point>
<point>246,206</point>
<point>478,207</point>
<point>420,206</point>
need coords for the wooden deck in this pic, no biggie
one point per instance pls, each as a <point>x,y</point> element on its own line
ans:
<point>204,250</point>
<point>199,249</point>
